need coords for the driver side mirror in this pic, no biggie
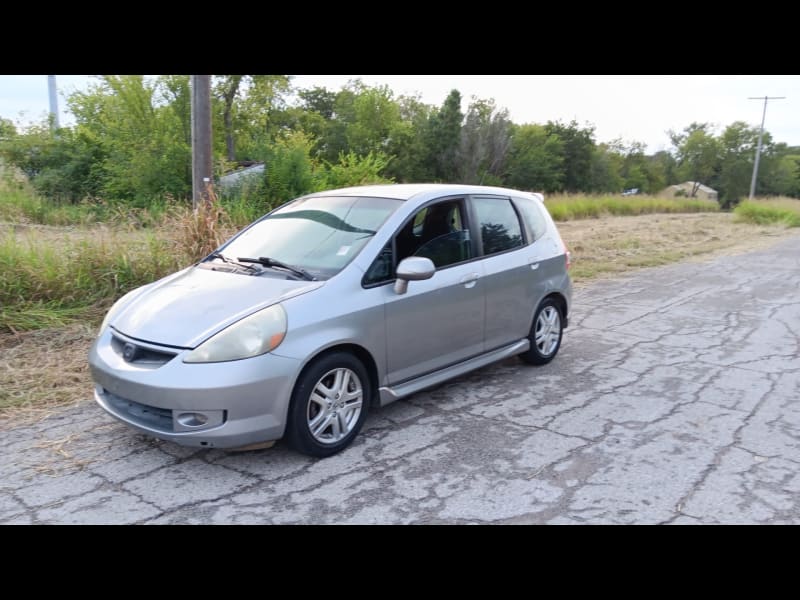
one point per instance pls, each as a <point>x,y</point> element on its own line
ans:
<point>413,268</point>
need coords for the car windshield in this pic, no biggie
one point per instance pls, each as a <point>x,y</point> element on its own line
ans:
<point>320,235</point>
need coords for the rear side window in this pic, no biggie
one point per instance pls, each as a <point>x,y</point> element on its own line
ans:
<point>498,224</point>
<point>532,214</point>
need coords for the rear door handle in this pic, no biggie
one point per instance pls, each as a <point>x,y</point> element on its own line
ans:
<point>533,263</point>
<point>469,280</point>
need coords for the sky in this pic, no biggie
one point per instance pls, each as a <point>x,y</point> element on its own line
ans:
<point>632,107</point>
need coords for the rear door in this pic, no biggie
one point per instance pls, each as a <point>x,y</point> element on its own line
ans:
<point>512,284</point>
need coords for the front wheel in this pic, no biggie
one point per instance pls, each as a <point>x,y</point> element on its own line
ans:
<point>329,405</point>
<point>545,335</point>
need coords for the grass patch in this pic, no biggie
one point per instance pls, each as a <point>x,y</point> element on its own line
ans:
<point>44,369</point>
<point>47,278</point>
<point>579,206</point>
<point>21,206</point>
<point>780,211</point>
<point>613,245</point>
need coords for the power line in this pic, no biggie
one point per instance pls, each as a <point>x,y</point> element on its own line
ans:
<point>760,135</point>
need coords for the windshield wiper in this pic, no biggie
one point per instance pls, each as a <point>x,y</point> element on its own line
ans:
<point>230,261</point>
<point>271,262</point>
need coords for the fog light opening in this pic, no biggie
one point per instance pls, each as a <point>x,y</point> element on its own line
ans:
<point>192,419</point>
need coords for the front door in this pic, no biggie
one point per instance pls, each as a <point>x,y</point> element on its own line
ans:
<point>440,321</point>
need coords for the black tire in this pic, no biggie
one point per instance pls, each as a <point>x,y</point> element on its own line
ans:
<point>541,356</point>
<point>302,408</point>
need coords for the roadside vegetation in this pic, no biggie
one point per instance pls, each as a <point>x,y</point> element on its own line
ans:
<point>581,206</point>
<point>783,211</point>
<point>43,358</point>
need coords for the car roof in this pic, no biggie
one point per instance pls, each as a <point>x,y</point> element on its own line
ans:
<point>422,191</point>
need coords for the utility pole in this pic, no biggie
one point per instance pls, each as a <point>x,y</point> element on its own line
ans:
<point>760,135</point>
<point>201,138</point>
<point>51,88</point>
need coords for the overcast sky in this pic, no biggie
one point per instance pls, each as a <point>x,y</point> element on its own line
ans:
<point>633,107</point>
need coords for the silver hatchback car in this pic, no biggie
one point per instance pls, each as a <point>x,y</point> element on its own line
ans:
<point>330,304</point>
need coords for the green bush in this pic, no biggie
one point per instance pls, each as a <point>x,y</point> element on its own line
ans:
<point>354,170</point>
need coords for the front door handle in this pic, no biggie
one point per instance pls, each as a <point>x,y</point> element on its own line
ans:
<point>469,280</point>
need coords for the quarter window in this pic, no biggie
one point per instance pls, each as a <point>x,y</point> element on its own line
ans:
<point>532,214</point>
<point>498,223</point>
<point>381,269</point>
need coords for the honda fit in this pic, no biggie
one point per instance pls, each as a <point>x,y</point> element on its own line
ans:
<point>330,305</point>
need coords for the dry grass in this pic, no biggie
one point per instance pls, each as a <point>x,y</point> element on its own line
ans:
<point>617,244</point>
<point>45,369</point>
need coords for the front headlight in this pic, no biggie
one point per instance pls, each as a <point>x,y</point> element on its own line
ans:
<point>115,308</point>
<point>257,334</point>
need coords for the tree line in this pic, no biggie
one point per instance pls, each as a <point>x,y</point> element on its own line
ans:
<point>131,142</point>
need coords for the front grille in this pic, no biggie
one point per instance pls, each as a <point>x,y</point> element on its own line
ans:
<point>142,414</point>
<point>143,356</point>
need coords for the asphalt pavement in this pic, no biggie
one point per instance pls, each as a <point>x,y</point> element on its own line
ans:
<point>675,399</point>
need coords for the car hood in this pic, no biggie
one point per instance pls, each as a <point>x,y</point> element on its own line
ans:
<point>186,308</point>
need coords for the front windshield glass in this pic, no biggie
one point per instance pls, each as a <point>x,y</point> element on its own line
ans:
<point>320,235</point>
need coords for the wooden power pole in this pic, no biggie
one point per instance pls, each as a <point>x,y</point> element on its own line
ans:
<point>201,139</point>
<point>760,135</point>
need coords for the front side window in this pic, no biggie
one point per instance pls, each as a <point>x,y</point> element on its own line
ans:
<point>437,232</point>
<point>498,224</point>
<point>321,235</point>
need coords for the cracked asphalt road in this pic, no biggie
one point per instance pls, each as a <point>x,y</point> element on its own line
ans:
<point>675,399</point>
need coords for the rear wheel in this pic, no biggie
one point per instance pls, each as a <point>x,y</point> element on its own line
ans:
<point>329,405</point>
<point>545,335</point>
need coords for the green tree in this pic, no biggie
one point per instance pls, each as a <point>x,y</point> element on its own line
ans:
<point>7,129</point>
<point>138,129</point>
<point>605,168</point>
<point>535,159</point>
<point>485,141</point>
<point>661,171</point>
<point>786,176</point>
<point>227,86</point>
<point>738,147</point>
<point>442,138</point>
<point>579,148</point>
<point>258,114</point>
<point>376,116</point>
<point>698,153</point>
<point>319,100</point>
<point>58,166</point>
<point>315,116</point>
<point>289,171</point>
<point>407,142</point>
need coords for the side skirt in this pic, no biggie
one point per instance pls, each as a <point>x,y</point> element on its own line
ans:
<point>390,394</point>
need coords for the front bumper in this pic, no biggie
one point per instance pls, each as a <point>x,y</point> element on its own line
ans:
<point>213,405</point>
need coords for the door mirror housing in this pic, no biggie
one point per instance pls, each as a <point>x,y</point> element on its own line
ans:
<point>413,268</point>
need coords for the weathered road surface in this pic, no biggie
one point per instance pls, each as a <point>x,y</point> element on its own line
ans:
<point>675,399</point>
